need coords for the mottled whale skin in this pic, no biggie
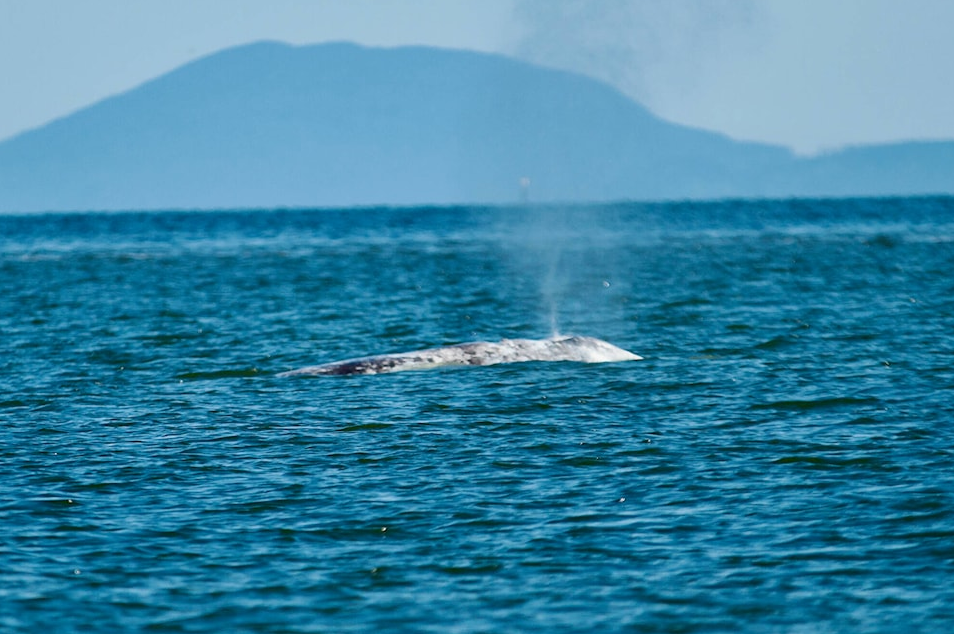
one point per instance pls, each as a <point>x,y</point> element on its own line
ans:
<point>562,348</point>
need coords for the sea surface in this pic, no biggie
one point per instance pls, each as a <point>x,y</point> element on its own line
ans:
<point>782,460</point>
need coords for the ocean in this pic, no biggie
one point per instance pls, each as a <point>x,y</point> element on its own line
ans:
<point>781,460</point>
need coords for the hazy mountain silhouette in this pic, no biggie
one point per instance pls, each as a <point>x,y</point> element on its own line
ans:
<point>268,125</point>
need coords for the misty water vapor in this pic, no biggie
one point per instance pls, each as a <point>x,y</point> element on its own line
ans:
<point>649,49</point>
<point>562,258</point>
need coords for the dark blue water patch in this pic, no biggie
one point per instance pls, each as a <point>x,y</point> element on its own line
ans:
<point>779,461</point>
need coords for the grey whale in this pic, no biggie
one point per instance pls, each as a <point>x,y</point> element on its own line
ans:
<point>561,348</point>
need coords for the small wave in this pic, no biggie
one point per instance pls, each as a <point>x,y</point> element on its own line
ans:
<point>218,374</point>
<point>832,462</point>
<point>776,342</point>
<point>822,403</point>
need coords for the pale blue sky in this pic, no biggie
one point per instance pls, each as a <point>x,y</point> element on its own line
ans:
<point>809,74</point>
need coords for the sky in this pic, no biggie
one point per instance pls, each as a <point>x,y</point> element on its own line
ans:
<point>813,75</point>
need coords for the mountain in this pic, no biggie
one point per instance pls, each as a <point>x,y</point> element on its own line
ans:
<point>268,124</point>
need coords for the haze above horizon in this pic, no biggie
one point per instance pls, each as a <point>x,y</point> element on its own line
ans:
<point>811,76</point>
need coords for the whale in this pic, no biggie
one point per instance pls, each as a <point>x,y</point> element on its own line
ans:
<point>478,353</point>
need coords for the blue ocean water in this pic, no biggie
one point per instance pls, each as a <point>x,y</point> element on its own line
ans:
<point>782,460</point>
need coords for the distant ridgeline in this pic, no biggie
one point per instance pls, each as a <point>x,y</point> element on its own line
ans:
<point>269,125</point>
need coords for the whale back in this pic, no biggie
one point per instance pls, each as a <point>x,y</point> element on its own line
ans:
<point>565,348</point>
